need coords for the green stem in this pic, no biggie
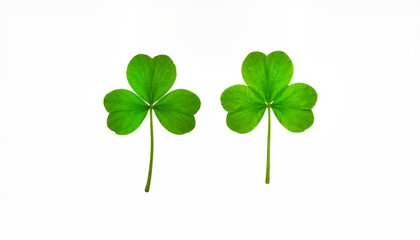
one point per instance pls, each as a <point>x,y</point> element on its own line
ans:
<point>149,177</point>
<point>267,173</point>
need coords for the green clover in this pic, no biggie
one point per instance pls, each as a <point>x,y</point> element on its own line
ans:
<point>151,79</point>
<point>268,79</point>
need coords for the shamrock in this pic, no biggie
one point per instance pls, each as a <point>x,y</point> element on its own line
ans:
<point>151,79</point>
<point>267,79</point>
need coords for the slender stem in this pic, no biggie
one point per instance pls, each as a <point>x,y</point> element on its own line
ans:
<point>149,177</point>
<point>267,173</point>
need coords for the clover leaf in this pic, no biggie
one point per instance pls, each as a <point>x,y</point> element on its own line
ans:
<point>267,78</point>
<point>151,79</point>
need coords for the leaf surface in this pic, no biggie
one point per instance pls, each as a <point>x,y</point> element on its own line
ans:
<point>151,78</point>
<point>298,96</point>
<point>294,120</point>
<point>244,108</point>
<point>279,73</point>
<point>254,73</point>
<point>267,75</point>
<point>176,110</point>
<point>126,111</point>
<point>293,107</point>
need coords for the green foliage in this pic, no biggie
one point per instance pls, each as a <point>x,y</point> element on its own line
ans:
<point>126,111</point>
<point>151,79</point>
<point>244,108</point>
<point>267,78</point>
<point>176,110</point>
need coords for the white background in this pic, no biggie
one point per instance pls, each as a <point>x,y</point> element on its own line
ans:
<point>355,174</point>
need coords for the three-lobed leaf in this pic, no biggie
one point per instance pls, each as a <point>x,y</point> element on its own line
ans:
<point>267,78</point>
<point>151,79</point>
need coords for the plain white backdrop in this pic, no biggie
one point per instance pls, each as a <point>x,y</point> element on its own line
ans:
<point>355,174</point>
